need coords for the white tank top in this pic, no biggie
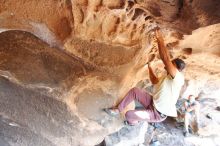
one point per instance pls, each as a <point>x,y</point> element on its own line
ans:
<point>166,94</point>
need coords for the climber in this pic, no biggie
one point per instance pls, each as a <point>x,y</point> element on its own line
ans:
<point>191,114</point>
<point>166,91</point>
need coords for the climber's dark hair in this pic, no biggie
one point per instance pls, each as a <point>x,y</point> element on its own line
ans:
<point>180,64</point>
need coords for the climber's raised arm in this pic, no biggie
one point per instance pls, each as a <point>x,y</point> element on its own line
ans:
<point>164,54</point>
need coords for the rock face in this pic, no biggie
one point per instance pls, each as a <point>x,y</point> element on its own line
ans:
<point>62,62</point>
<point>34,77</point>
<point>128,135</point>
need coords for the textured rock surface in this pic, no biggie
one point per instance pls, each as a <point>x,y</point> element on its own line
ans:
<point>33,86</point>
<point>128,135</point>
<point>75,57</point>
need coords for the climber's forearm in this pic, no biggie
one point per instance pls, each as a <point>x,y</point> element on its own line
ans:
<point>153,78</point>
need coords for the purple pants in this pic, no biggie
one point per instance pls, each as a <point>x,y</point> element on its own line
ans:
<point>148,113</point>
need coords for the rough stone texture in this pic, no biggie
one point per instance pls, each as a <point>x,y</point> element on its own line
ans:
<point>128,135</point>
<point>35,102</point>
<point>31,61</point>
<point>56,15</point>
<point>84,55</point>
